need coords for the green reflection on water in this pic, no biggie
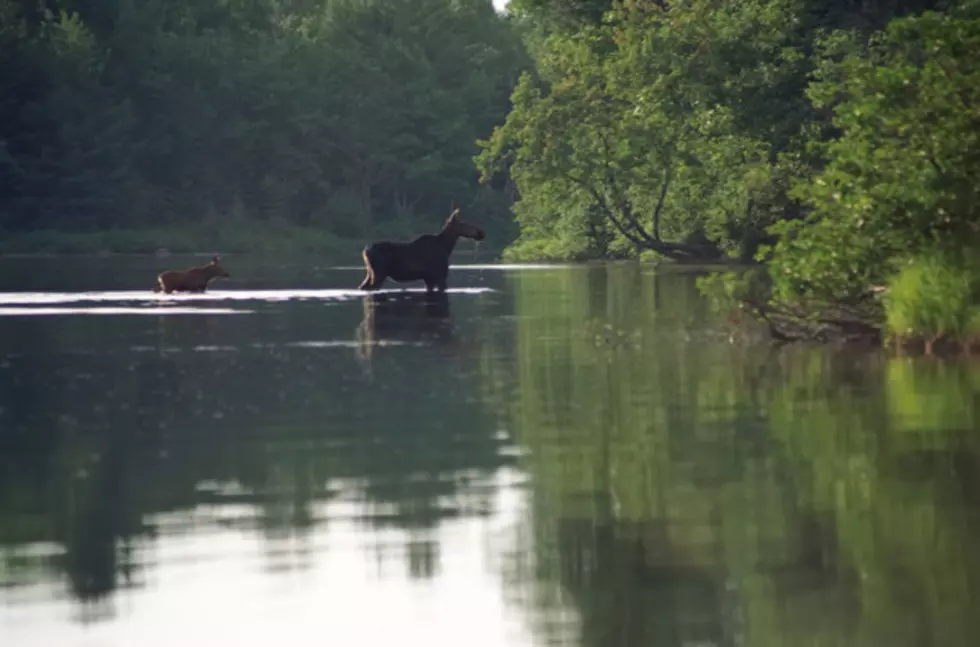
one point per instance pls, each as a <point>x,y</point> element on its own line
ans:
<point>687,489</point>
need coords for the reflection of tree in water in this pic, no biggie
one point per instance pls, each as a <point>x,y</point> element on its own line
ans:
<point>413,483</point>
<point>227,411</point>
<point>628,597</point>
<point>102,524</point>
<point>72,485</point>
<point>632,582</point>
<point>687,492</point>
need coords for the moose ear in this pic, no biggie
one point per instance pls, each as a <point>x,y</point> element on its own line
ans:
<point>455,214</point>
<point>215,260</point>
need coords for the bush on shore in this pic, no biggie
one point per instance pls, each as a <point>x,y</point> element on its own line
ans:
<point>933,302</point>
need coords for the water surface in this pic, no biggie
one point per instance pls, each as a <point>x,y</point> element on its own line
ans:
<point>550,456</point>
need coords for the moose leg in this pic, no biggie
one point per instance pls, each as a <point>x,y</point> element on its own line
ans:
<point>370,282</point>
<point>367,283</point>
<point>373,280</point>
<point>438,279</point>
<point>435,285</point>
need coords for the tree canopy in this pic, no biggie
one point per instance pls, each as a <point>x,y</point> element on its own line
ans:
<point>901,176</point>
<point>351,115</point>
<point>833,141</point>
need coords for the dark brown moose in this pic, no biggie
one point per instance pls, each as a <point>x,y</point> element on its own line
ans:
<point>426,258</point>
<point>194,279</point>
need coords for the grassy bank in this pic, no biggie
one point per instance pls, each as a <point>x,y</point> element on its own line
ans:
<point>932,305</point>
<point>928,304</point>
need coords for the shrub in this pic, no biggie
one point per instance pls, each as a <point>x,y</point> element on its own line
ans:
<point>934,296</point>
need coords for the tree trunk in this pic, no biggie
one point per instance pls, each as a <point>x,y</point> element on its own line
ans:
<point>627,224</point>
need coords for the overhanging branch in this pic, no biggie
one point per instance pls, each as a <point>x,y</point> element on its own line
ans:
<point>637,237</point>
<point>622,203</point>
<point>622,218</point>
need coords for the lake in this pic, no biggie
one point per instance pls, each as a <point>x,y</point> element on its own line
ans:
<point>551,455</point>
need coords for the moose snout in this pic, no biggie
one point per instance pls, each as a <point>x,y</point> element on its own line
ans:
<point>479,235</point>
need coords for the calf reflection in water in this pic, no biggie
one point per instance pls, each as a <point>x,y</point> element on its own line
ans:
<point>426,258</point>
<point>405,318</point>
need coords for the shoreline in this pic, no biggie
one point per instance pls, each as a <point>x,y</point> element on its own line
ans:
<point>262,240</point>
<point>272,244</point>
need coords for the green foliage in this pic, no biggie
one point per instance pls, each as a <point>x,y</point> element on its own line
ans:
<point>357,117</point>
<point>561,14</point>
<point>901,177</point>
<point>63,150</point>
<point>727,290</point>
<point>829,140</point>
<point>934,296</point>
<point>679,125</point>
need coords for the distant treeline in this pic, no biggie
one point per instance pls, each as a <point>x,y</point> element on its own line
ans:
<point>352,116</point>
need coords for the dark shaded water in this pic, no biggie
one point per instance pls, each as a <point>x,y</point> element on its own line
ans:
<point>564,456</point>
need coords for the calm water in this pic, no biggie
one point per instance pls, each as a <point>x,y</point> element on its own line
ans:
<point>566,456</point>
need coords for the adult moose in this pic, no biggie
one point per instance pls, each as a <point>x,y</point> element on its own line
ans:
<point>426,258</point>
<point>194,279</point>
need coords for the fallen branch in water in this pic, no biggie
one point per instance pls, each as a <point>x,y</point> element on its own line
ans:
<point>819,322</point>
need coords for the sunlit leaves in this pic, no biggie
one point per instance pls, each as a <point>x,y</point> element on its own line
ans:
<point>710,94</point>
<point>620,123</point>
<point>902,176</point>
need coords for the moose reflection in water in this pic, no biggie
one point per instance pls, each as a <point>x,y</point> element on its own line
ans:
<point>426,258</point>
<point>404,318</point>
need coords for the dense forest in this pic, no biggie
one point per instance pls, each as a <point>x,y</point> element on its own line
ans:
<point>233,120</point>
<point>833,142</point>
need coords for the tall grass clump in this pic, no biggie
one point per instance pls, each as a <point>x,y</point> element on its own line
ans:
<point>933,298</point>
